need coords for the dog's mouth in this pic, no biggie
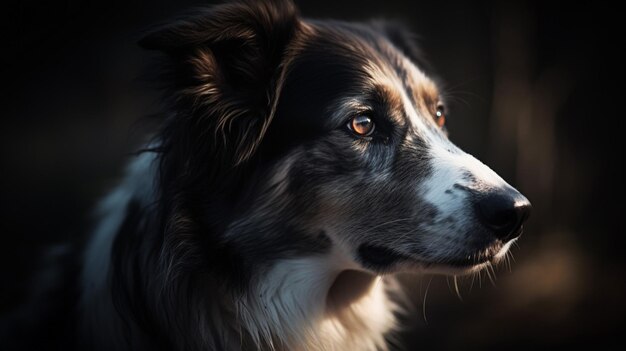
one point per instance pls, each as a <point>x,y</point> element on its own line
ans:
<point>387,260</point>
<point>459,266</point>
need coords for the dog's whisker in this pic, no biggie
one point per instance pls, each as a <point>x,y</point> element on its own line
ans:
<point>456,94</point>
<point>460,84</point>
<point>401,237</point>
<point>424,301</point>
<point>458,99</point>
<point>508,261</point>
<point>456,288</point>
<point>472,281</point>
<point>371,229</point>
<point>488,271</point>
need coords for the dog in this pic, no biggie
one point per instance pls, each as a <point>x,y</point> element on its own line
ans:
<point>299,166</point>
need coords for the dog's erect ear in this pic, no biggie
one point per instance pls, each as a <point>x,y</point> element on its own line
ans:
<point>224,67</point>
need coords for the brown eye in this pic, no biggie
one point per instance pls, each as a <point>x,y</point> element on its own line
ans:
<point>440,116</point>
<point>361,125</point>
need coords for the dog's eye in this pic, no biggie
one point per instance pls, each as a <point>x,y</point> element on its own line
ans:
<point>440,116</point>
<point>362,125</point>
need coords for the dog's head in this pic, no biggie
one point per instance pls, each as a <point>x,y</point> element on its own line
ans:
<point>292,137</point>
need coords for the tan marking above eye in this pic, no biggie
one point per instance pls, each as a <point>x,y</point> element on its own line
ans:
<point>440,116</point>
<point>362,125</point>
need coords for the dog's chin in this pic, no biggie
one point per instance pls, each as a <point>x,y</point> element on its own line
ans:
<point>453,269</point>
<point>490,255</point>
<point>383,260</point>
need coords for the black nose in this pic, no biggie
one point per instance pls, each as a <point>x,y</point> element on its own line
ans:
<point>504,211</point>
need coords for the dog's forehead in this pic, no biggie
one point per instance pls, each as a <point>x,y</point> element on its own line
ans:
<point>339,68</point>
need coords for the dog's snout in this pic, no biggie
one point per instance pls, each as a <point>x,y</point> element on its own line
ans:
<point>504,212</point>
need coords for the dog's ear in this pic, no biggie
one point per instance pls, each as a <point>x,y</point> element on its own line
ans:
<point>404,40</point>
<point>224,69</point>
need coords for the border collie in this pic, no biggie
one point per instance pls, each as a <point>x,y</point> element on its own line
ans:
<point>301,164</point>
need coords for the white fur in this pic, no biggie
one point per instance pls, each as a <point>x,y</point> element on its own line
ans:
<point>288,309</point>
<point>449,166</point>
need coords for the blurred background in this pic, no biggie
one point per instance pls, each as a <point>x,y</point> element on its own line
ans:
<point>534,91</point>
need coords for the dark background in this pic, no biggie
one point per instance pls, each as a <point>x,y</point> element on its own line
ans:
<point>535,90</point>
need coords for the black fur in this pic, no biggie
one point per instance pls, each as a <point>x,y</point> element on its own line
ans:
<point>380,257</point>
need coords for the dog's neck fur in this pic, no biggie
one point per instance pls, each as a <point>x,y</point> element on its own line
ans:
<point>294,307</point>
